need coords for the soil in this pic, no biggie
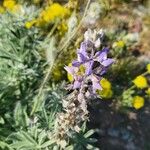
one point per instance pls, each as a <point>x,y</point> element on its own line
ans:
<point>117,130</point>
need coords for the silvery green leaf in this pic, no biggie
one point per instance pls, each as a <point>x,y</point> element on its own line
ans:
<point>89,133</point>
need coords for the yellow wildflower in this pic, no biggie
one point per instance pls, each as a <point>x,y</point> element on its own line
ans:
<point>140,82</point>
<point>119,44</point>
<point>54,11</point>
<point>148,91</point>
<point>138,102</point>
<point>12,6</point>
<point>106,91</point>
<point>29,24</point>
<point>9,4</point>
<point>105,84</point>
<point>148,68</point>
<point>2,10</point>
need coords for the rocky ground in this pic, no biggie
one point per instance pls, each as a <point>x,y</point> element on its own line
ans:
<point>127,130</point>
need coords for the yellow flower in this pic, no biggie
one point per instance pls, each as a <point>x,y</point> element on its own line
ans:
<point>29,24</point>
<point>105,84</point>
<point>148,68</point>
<point>106,91</point>
<point>119,44</point>
<point>2,10</point>
<point>12,6</point>
<point>54,11</point>
<point>140,82</point>
<point>138,102</point>
<point>148,91</point>
<point>9,4</point>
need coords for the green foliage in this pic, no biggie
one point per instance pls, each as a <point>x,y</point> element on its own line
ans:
<point>35,139</point>
<point>83,140</point>
<point>127,98</point>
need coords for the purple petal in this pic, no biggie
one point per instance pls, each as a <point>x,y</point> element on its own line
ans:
<point>96,83</point>
<point>89,67</point>
<point>70,70</point>
<point>106,49</point>
<point>103,71</point>
<point>100,70</point>
<point>107,62</point>
<point>101,55</point>
<point>97,53</point>
<point>83,48</point>
<point>81,57</point>
<point>77,84</point>
<point>76,63</point>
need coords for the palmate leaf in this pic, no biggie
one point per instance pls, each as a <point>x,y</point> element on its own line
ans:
<point>35,138</point>
<point>23,145</point>
<point>23,140</point>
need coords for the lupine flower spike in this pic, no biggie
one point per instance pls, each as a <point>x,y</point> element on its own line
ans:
<point>85,84</point>
<point>95,63</point>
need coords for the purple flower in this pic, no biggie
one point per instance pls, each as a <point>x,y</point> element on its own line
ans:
<point>96,64</point>
<point>71,70</point>
<point>82,56</point>
<point>101,57</point>
<point>89,59</point>
<point>78,82</point>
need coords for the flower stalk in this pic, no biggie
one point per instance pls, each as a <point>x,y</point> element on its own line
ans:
<point>85,84</point>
